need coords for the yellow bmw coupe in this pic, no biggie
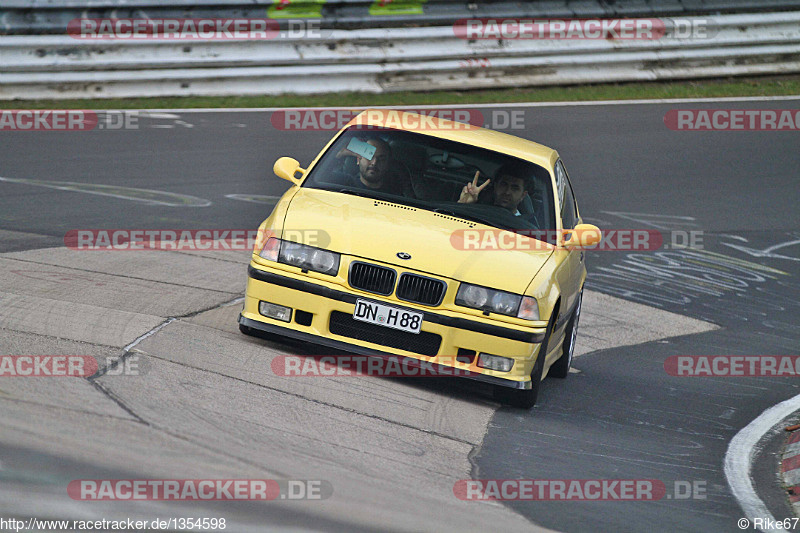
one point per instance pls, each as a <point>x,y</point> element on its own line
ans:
<point>442,242</point>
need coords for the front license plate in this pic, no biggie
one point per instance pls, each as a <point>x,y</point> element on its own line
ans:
<point>390,317</point>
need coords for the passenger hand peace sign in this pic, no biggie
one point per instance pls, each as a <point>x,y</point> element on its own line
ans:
<point>470,192</point>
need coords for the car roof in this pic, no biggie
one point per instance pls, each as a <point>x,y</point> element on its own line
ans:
<point>459,132</point>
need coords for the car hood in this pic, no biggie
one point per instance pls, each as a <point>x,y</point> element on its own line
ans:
<point>377,230</point>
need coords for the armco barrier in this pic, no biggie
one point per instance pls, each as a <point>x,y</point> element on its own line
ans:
<point>29,17</point>
<point>388,59</point>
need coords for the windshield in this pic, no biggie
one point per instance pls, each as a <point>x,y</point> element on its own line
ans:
<point>439,175</point>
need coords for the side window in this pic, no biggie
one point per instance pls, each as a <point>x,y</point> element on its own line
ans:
<point>561,180</point>
<point>568,211</point>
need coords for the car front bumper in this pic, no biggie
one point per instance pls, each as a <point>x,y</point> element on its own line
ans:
<point>326,301</point>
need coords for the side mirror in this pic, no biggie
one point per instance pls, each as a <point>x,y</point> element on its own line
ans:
<point>286,168</point>
<point>584,235</point>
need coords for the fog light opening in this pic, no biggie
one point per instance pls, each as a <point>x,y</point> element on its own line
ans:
<point>278,312</point>
<point>303,318</point>
<point>465,356</point>
<point>495,362</point>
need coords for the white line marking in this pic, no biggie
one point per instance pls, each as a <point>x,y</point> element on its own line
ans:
<point>739,458</point>
<point>673,221</point>
<point>488,105</point>
<point>256,198</point>
<point>161,115</point>
<point>146,196</point>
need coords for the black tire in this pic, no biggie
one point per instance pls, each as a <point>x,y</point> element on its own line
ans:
<point>246,330</point>
<point>526,398</point>
<point>560,368</point>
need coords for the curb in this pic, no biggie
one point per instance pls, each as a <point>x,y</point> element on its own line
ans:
<point>790,470</point>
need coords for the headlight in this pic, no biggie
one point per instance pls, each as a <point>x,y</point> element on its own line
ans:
<point>494,301</point>
<point>472,296</point>
<point>295,254</point>
<point>485,299</point>
<point>322,261</point>
<point>309,258</point>
<point>505,303</point>
<point>302,256</point>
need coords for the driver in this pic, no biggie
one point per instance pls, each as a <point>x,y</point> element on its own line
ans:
<point>508,192</point>
<point>372,173</point>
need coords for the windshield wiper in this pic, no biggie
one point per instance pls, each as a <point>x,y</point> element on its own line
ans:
<point>354,192</point>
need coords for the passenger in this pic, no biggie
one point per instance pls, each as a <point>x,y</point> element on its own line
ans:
<point>509,190</point>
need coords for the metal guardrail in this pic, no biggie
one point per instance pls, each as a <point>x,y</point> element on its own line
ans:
<point>385,60</point>
<point>30,17</point>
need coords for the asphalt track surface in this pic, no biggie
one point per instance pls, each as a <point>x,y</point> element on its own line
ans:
<point>621,417</point>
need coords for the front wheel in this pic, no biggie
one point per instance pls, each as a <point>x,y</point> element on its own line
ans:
<point>526,398</point>
<point>560,368</point>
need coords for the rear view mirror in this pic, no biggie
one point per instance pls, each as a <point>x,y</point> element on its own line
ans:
<point>287,168</point>
<point>584,235</point>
